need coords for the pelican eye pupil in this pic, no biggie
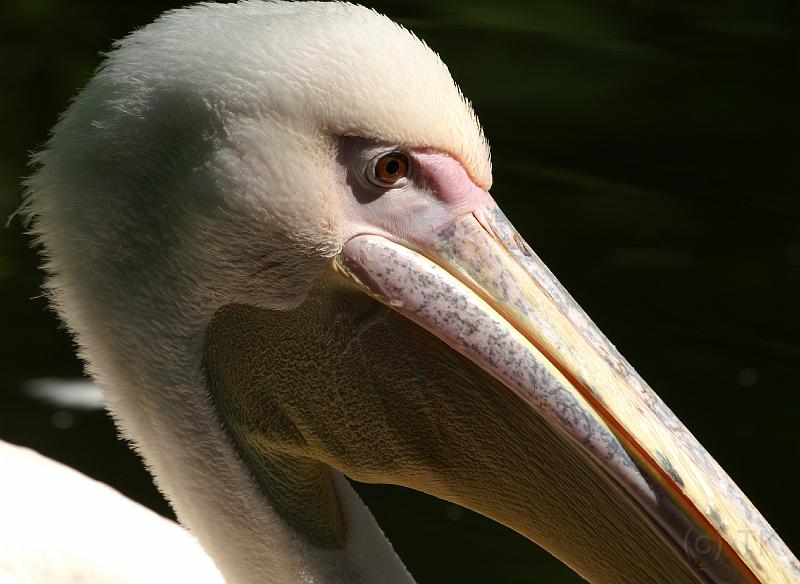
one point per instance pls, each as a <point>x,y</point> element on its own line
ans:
<point>390,168</point>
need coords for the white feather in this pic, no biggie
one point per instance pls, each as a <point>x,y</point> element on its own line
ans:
<point>58,526</point>
<point>220,120</point>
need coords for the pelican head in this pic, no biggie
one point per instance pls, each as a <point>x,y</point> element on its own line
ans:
<point>269,227</point>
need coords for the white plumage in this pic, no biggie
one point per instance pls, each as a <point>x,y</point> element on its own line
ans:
<point>231,111</point>
<point>60,527</point>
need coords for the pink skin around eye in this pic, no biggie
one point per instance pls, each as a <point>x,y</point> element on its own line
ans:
<point>450,182</point>
<point>439,192</point>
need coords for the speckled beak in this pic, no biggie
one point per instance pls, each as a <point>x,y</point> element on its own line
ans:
<point>477,286</point>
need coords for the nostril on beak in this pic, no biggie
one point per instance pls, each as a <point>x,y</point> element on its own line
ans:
<point>521,245</point>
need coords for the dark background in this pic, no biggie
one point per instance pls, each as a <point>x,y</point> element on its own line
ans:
<point>648,150</point>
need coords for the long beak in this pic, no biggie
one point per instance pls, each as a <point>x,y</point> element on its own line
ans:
<point>477,286</point>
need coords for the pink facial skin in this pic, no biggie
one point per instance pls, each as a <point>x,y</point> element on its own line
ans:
<point>450,182</point>
<point>438,191</point>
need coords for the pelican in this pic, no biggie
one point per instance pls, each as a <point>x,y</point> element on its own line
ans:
<point>268,227</point>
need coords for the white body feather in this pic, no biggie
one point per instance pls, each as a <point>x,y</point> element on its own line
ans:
<point>58,526</point>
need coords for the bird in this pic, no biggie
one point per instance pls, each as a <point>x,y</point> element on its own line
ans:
<point>269,228</point>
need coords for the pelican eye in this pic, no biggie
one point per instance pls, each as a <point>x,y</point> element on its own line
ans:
<point>389,169</point>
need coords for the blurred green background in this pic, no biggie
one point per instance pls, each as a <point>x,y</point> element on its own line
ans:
<point>648,150</point>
